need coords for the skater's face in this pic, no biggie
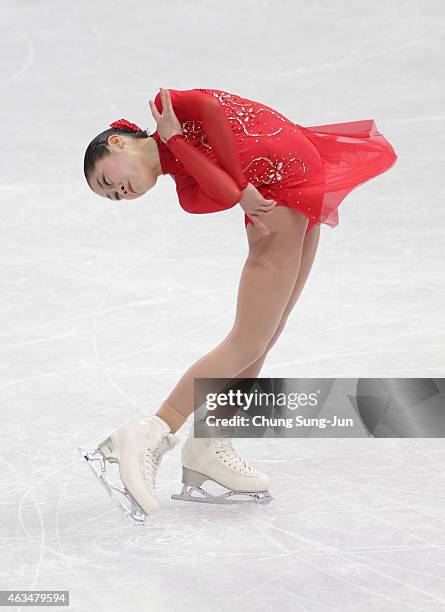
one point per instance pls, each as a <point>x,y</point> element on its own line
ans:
<point>129,171</point>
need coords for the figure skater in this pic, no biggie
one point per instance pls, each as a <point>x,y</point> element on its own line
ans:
<point>222,150</point>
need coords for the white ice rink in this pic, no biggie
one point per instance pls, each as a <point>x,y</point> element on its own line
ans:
<point>104,305</point>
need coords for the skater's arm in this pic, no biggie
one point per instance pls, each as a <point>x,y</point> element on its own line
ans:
<point>209,188</point>
<point>194,105</point>
<point>194,199</point>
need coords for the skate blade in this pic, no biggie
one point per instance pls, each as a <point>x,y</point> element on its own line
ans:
<point>261,497</point>
<point>131,509</point>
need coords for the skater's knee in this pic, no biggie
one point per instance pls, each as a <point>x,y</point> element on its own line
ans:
<point>277,333</point>
<point>249,348</point>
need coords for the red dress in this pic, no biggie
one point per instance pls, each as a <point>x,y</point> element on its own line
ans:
<point>229,141</point>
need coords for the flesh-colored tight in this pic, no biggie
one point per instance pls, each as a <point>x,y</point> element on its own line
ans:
<point>272,279</point>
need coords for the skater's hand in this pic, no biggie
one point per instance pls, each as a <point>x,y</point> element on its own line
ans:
<point>167,122</point>
<point>255,206</point>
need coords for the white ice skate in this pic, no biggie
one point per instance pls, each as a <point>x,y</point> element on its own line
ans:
<point>215,459</point>
<point>137,447</point>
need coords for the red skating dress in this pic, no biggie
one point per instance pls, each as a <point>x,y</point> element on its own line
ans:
<point>229,141</point>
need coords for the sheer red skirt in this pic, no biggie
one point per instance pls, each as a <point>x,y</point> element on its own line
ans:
<point>351,154</point>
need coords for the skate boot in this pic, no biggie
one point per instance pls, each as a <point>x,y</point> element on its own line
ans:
<point>215,459</point>
<point>137,447</point>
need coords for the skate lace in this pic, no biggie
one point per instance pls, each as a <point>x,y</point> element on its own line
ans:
<point>227,453</point>
<point>153,456</point>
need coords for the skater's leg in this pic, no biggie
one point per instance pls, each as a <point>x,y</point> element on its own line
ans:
<point>266,284</point>
<point>310,245</point>
<point>266,288</point>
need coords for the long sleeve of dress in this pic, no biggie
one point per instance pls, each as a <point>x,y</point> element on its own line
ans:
<point>211,187</point>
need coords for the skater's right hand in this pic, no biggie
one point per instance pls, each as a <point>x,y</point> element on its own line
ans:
<point>255,206</point>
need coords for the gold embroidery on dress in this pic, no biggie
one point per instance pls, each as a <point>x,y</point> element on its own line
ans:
<point>245,114</point>
<point>276,170</point>
<point>192,130</point>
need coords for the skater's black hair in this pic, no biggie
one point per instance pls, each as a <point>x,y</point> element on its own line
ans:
<point>98,147</point>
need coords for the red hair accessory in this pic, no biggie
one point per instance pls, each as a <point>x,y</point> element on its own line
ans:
<point>123,124</point>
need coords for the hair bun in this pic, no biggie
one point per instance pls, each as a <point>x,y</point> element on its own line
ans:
<point>123,124</point>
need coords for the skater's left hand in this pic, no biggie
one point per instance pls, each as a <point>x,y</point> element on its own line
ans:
<point>168,123</point>
<point>256,206</point>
